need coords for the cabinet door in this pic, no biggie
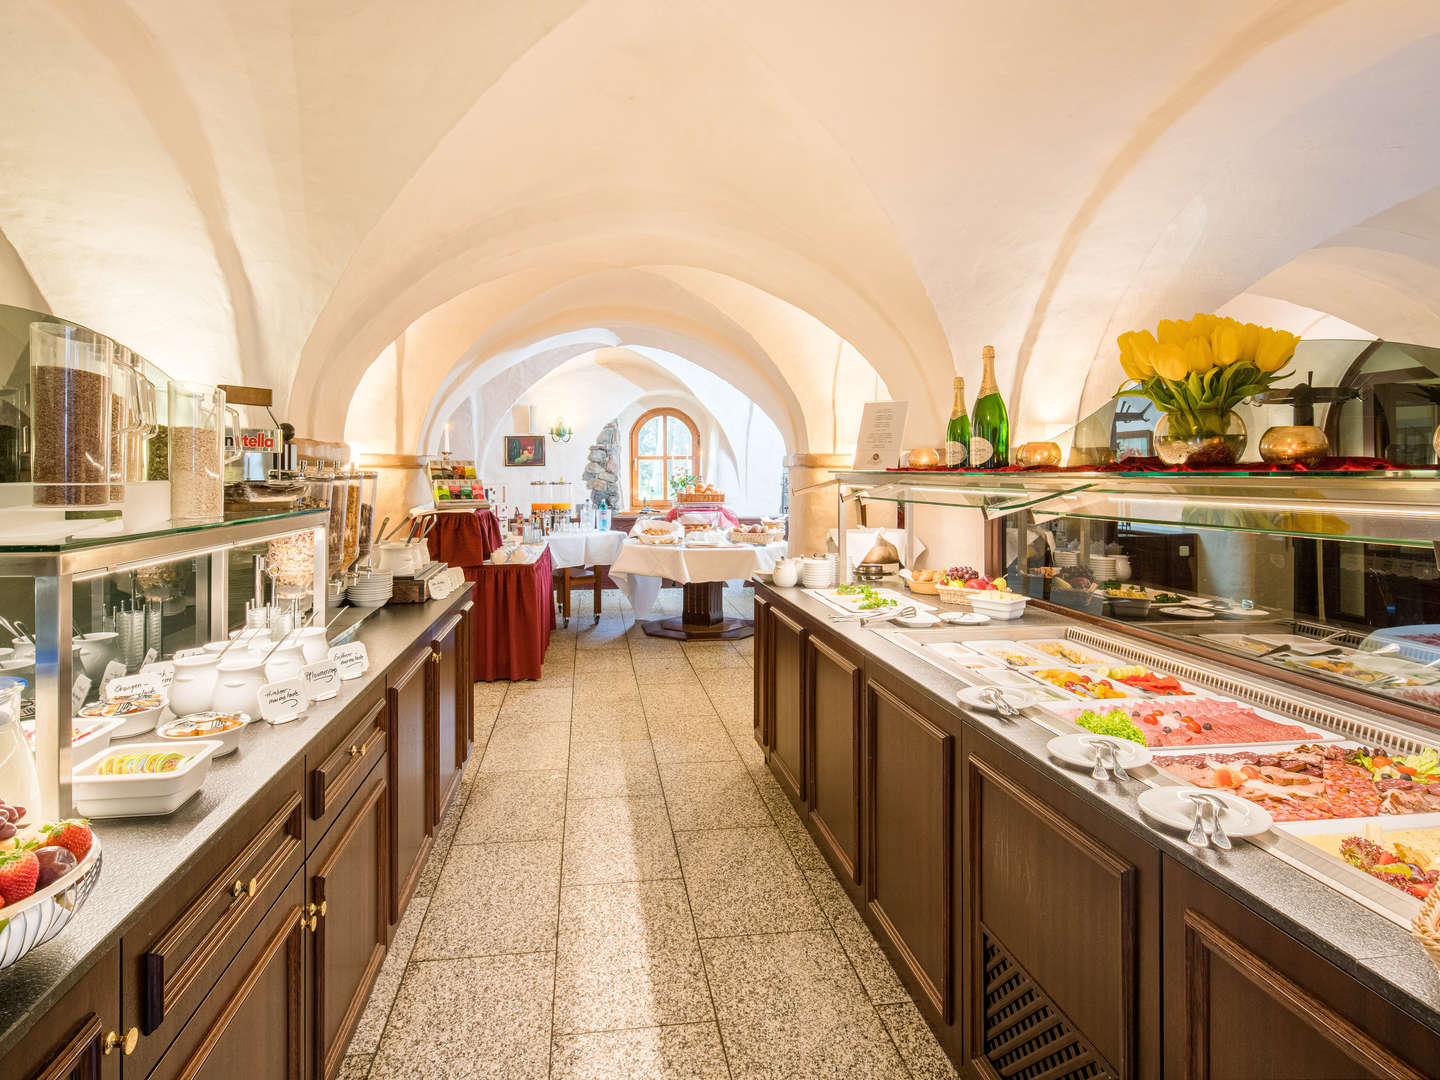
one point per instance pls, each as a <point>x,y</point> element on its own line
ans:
<point>78,1038</point>
<point>787,717</point>
<point>833,711</point>
<point>254,1023</point>
<point>1244,1000</point>
<point>447,707</point>
<point>764,687</point>
<point>350,902</point>
<point>909,799</point>
<point>1062,919</point>
<point>411,778</point>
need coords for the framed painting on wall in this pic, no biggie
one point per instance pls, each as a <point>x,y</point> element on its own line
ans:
<point>524,449</point>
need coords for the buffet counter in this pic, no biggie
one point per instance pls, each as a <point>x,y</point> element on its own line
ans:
<point>1035,914</point>
<point>272,894</point>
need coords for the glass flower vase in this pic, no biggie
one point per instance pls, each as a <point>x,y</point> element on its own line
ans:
<point>1201,438</point>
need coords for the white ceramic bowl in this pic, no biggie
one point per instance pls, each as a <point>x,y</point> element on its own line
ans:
<point>142,794</point>
<point>996,604</point>
<point>313,644</point>
<point>132,721</point>
<point>194,683</point>
<point>196,728</point>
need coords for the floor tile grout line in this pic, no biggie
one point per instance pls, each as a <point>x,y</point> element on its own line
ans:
<point>560,886</point>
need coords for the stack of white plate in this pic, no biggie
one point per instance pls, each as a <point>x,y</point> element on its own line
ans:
<point>1067,558</point>
<point>817,573</point>
<point>372,589</point>
<point>1105,567</point>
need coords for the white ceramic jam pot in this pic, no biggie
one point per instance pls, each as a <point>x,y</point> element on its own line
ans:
<point>313,644</point>
<point>285,662</point>
<point>237,689</point>
<point>787,572</point>
<point>194,684</point>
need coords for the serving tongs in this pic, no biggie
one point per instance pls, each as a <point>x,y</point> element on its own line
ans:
<point>1206,806</point>
<point>1107,761</point>
<point>996,697</point>
<point>869,618</point>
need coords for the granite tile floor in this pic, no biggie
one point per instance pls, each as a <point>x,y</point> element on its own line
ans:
<point>621,890</point>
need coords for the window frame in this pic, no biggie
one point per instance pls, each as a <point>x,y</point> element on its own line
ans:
<point>666,415</point>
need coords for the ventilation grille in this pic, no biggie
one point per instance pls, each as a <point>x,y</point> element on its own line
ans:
<point>1287,703</point>
<point>1025,1036</point>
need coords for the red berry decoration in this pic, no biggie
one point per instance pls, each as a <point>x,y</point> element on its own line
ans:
<point>74,835</point>
<point>19,870</point>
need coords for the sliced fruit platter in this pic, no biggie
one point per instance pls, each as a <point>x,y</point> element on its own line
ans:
<point>47,872</point>
<point>1139,677</point>
<point>1201,721</point>
<point>1080,684</point>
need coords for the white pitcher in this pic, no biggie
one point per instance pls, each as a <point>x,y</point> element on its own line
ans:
<point>787,572</point>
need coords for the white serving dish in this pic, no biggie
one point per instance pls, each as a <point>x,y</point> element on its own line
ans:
<point>142,795</point>
<point>1170,806</point>
<point>996,604</point>
<point>98,739</point>
<point>229,740</point>
<point>1078,749</point>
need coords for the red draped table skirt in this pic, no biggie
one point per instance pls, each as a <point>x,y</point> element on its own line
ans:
<point>514,614</point>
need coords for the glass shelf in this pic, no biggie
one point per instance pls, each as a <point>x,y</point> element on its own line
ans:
<point>1399,507</point>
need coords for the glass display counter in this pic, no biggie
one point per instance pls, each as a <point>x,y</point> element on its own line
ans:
<point>124,599</point>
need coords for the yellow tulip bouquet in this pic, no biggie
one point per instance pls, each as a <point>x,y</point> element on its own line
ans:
<point>1197,370</point>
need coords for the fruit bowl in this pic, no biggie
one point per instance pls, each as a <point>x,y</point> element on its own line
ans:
<point>33,921</point>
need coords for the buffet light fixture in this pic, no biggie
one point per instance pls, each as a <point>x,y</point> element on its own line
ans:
<point>1318,506</point>
<point>560,432</point>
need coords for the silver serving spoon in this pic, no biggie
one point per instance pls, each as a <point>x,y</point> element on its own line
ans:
<point>1197,837</point>
<point>1217,831</point>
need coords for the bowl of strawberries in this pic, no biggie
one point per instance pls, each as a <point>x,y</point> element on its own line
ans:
<point>47,872</point>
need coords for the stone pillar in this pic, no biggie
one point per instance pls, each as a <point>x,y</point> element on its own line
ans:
<point>404,481</point>
<point>602,469</point>
<point>812,514</point>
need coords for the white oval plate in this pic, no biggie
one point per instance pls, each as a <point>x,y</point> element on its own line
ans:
<point>1186,611</point>
<point>1169,806</point>
<point>919,621</point>
<point>963,618</point>
<point>1076,749</point>
<point>974,697</point>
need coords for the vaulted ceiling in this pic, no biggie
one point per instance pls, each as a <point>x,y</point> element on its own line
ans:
<point>278,190</point>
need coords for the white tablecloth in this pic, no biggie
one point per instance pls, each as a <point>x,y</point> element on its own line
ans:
<point>585,549</point>
<point>638,571</point>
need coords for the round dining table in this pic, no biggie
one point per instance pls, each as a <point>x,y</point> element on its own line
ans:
<point>702,572</point>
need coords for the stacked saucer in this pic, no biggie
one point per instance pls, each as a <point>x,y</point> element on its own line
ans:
<point>817,572</point>
<point>1067,558</point>
<point>371,589</point>
<point>1109,567</point>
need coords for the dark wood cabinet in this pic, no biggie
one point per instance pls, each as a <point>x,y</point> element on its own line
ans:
<point>80,1037</point>
<point>909,800</point>
<point>412,776</point>
<point>1244,1000</point>
<point>448,709</point>
<point>764,683</point>
<point>1062,920</point>
<point>255,1022</point>
<point>349,909</point>
<point>787,702</point>
<point>833,710</point>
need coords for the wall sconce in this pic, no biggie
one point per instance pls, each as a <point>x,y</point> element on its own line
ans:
<point>559,431</point>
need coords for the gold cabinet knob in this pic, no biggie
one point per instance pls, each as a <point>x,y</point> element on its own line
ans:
<point>124,1043</point>
<point>317,909</point>
<point>356,751</point>
<point>245,888</point>
<point>308,923</point>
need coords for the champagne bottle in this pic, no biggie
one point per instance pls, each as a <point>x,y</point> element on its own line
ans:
<point>957,432</point>
<point>990,430</point>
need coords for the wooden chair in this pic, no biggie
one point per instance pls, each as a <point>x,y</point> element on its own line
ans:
<point>572,577</point>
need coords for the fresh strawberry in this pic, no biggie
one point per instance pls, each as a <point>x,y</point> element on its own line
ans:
<point>74,834</point>
<point>18,872</point>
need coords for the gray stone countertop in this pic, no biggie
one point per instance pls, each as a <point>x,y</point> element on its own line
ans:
<point>141,854</point>
<point>1377,952</point>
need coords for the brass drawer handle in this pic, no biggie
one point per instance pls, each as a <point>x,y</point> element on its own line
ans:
<point>124,1043</point>
<point>359,751</point>
<point>313,909</point>
<point>308,922</point>
<point>245,888</point>
<point>435,656</point>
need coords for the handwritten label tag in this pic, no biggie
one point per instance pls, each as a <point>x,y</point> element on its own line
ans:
<point>129,686</point>
<point>78,692</point>
<point>352,659</point>
<point>281,702</point>
<point>113,670</point>
<point>165,669</point>
<point>150,655</point>
<point>322,680</point>
<point>180,654</point>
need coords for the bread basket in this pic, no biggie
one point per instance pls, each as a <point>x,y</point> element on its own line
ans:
<point>924,588</point>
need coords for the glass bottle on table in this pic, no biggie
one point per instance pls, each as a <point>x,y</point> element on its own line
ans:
<point>957,432</point>
<point>990,426</point>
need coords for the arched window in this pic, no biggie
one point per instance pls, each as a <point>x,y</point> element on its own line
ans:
<point>664,444</point>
